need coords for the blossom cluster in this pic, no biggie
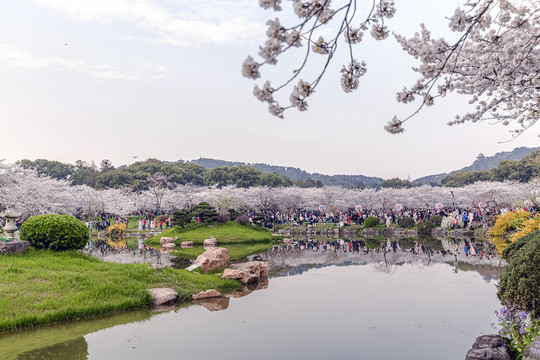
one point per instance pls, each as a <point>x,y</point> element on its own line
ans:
<point>495,61</point>
<point>315,22</point>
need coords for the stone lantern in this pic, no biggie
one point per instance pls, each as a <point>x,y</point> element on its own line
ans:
<point>11,226</point>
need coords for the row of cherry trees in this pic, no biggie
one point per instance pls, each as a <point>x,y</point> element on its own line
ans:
<point>27,192</point>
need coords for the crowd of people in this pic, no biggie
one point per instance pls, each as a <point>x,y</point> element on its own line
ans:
<point>463,218</point>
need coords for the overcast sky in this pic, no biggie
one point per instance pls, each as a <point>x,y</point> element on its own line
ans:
<point>128,80</point>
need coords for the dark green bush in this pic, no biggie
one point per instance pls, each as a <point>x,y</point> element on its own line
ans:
<point>424,228</point>
<point>233,214</point>
<point>181,217</point>
<point>371,222</point>
<point>406,222</point>
<point>435,219</point>
<point>55,232</point>
<point>519,286</point>
<point>510,250</point>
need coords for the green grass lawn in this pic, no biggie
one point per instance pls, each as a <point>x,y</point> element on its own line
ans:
<point>227,233</point>
<point>39,287</point>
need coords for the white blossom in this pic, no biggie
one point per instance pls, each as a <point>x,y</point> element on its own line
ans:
<point>250,68</point>
<point>394,126</point>
<point>267,4</point>
<point>264,94</point>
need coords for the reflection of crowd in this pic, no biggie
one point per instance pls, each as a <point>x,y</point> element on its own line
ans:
<point>466,247</point>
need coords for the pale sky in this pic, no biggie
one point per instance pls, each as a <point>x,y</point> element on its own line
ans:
<point>115,79</point>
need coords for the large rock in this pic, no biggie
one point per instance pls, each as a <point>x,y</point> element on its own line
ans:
<point>13,247</point>
<point>213,259</point>
<point>533,350</point>
<point>163,296</point>
<point>208,243</point>
<point>166,240</point>
<point>187,244</point>
<point>489,347</point>
<point>212,293</point>
<point>247,273</point>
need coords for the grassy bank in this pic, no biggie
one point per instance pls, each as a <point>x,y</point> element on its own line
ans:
<point>39,287</point>
<point>227,233</point>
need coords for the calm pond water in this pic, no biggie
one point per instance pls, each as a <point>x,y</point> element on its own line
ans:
<point>314,306</point>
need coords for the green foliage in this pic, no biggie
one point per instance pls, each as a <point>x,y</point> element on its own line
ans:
<point>520,283</point>
<point>435,219</point>
<point>55,232</point>
<point>424,228</point>
<point>371,222</point>
<point>396,183</point>
<point>274,180</point>
<point>511,249</point>
<point>310,183</point>
<point>519,329</point>
<point>406,222</point>
<point>205,212</point>
<point>228,233</point>
<point>233,214</point>
<point>54,169</point>
<point>181,217</point>
<point>523,170</point>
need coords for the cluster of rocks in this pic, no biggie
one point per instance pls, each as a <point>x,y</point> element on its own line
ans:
<point>167,244</point>
<point>494,347</point>
<point>252,275</point>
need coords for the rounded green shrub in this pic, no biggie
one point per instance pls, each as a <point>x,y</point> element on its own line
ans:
<point>371,222</point>
<point>406,222</point>
<point>520,283</point>
<point>55,232</point>
<point>436,219</point>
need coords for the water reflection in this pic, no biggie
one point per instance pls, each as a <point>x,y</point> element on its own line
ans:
<point>299,255</point>
<point>397,300</point>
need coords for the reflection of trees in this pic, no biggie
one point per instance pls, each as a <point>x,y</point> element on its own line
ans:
<point>290,263</point>
<point>76,349</point>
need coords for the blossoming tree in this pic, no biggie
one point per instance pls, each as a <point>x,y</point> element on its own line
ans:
<point>495,60</point>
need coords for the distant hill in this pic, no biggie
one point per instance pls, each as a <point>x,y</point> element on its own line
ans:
<point>296,174</point>
<point>481,163</point>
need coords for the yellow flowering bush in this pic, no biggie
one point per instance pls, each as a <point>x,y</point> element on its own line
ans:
<point>520,221</point>
<point>528,226</point>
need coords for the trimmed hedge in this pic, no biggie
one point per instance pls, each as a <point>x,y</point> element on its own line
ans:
<point>55,232</point>
<point>371,222</point>
<point>406,222</point>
